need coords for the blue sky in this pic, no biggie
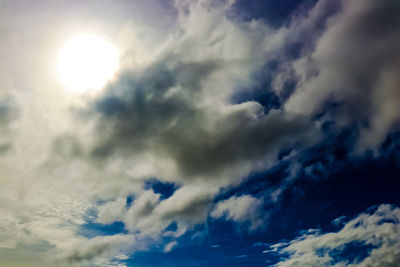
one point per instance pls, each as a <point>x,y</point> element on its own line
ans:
<point>231,133</point>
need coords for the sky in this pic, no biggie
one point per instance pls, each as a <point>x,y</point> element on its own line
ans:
<point>232,133</point>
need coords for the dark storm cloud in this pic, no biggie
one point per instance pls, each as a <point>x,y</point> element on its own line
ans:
<point>163,111</point>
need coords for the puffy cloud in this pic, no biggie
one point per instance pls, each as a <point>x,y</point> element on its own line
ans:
<point>89,251</point>
<point>172,118</point>
<point>355,63</point>
<point>240,209</point>
<point>374,235</point>
<point>187,206</point>
<point>111,211</point>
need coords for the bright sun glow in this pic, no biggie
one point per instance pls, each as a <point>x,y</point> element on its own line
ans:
<point>87,62</point>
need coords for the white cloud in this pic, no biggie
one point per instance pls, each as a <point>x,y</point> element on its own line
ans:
<point>150,216</point>
<point>168,247</point>
<point>99,249</point>
<point>111,211</point>
<point>344,67</point>
<point>241,209</point>
<point>379,229</point>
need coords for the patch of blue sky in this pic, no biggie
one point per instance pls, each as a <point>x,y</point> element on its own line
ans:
<point>165,189</point>
<point>92,229</point>
<point>352,253</point>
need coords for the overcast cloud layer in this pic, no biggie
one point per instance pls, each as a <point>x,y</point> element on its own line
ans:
<point>176,113</point>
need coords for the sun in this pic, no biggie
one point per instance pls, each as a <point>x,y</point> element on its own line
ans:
<point>87,62</point>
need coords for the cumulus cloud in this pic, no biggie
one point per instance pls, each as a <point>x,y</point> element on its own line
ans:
<point>150,216</point>
<point>172,118</point>
<point>241,209</point>
<point>356,64</point>
<point>375,235</point>
<point>89,251</point>
<point>175,113</point>
<point>111,211</point>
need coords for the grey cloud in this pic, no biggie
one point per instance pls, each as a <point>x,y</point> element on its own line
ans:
<point>165,113</point>
<point>356,63</point>
<point>97,247</point>
<point>172,119</point>
<point>8,114</point>
<point>146,106</point>
<point>162,117</point>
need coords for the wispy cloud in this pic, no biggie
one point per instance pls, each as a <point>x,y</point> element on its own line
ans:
<point>376,234</point>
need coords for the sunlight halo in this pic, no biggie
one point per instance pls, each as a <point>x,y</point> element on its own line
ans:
<point>87,62</point>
